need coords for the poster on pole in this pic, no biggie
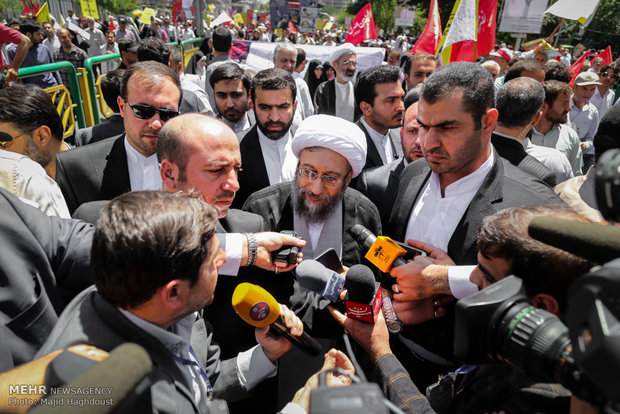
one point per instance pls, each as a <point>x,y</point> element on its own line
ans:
<point>89,8</point>
<point>279,14</point>
<point>523,16</point>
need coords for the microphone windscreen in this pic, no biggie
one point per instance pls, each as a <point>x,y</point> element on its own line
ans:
<point>360,284</point>
<point>362,235</point>
<point>255,305</point>
<point>596,242</point>
<point>121,371</point>
<point>315,277</point>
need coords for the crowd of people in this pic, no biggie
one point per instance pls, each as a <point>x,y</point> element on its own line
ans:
<point>139,229</point>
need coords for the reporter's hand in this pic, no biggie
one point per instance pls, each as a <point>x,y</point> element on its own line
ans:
<point>269,242</point>
<point>420,279</point>
<point>413,312</point>
<point>333,359</point>
<point>433,252</point>
<point>373,337</point>
<point>275,348</point>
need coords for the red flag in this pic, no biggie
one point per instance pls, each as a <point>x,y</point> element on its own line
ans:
<point>291,27</point>
<point>431,36</point>
<point>606,55</point>
<point>575,69</point>
<point>177,7</point>
<point>362,27</point>
<point>464,51</point>
<point>112,25</point>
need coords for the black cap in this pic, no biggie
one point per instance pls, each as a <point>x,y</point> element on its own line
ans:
<point>128,45</point>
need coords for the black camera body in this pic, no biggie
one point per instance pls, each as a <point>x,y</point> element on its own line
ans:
<point>286,255</point>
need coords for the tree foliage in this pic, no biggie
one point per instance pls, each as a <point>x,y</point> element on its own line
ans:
<point>382,11</point>
<point>118,6</point>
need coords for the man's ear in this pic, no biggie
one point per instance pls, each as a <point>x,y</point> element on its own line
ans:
<point>364,107</point>
<point>545,107</point>
<point>42,136</point>
<point>546,302</point>
<point>537,117</point>
<point>169,172</point>
<point>121,105</point>
<point>173,295</point>
<point>489,120</point>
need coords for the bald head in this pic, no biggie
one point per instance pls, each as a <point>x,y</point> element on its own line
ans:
<point>200,152</point>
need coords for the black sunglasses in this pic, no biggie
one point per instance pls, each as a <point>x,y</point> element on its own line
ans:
<point>144,111</point>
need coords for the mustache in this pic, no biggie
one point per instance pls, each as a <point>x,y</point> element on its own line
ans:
<point>278,123</point>
<point>225,195</point>
<point>438,152</point>
<point>303,191</point>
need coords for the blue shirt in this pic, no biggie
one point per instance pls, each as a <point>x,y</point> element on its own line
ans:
<point>37,55</point>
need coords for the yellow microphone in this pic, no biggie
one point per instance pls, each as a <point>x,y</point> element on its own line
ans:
<point>259,308</point>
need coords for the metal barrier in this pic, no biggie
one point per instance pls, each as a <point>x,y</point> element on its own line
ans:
<point>76,97</point>
<point>62,100</point>
<point>105,110</point>
<point>88,65</point>
<point>187,54</point>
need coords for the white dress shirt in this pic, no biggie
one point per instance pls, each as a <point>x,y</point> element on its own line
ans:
<point>434,219</point>
<point>585,122</point>
<point>550,158</point>
<point>143,171</point>
<point>603,103</point>
<point>382,143</point>
<point>280,161</point>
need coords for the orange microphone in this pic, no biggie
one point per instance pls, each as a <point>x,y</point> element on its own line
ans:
<point>259,308</point>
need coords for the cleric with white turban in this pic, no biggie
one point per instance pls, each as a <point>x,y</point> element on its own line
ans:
<point>336,134</point>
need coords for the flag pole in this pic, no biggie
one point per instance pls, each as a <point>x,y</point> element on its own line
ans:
<point>555,30</point>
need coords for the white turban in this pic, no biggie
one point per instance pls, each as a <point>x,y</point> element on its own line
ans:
<point>343,49</point>
<point>336,134</point>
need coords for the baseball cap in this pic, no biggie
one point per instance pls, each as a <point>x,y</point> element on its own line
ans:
<point>587,78</point>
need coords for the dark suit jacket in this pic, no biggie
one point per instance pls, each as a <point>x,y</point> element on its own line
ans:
<point>380,185</point>
<point>94,172</point>
<point>107,128</point>
<point>253,175</point>
<point>325,98</point>
<point>373,159</point>
<point>91,319</point>
<point>505,186</point>
<point>45,262</point>
<point>514,152</point>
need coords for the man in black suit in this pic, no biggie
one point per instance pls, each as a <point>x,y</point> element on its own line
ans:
<point>379,97</point>
<point>380,184</point>
<point>266,153</point>
<point>150,96</point>
<point>44,265</point>
<point>337,97</point>
<point>112,126</point>
<point>442,201</point>
<point>519,104</point>
<point>155,260</point>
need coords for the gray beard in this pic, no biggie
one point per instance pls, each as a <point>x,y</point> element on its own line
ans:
<point>314,213</point>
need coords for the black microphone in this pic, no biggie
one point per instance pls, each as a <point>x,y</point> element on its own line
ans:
<point>359,282</point>
<point>121,372</point>
<point>595,242</point>
<point>259,308</point>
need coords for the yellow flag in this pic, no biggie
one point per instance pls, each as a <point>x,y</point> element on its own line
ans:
<point>146,15</point>
<point>43,15</point>
<point>89,8</point>
<point>211,7</point>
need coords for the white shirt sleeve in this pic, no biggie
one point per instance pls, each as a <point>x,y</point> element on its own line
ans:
<point>232,244</point>
<point>458,277</point>
<point>253,366</point>
<point>292,408</point>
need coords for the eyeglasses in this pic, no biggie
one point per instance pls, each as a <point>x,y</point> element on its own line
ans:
<point>144,111</point>
<point>329,181</point>
<point>608,75</point>
<point>349,63</point>
<point>6,138</point>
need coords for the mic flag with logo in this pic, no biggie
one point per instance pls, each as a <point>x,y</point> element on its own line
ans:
<point>363,26</point>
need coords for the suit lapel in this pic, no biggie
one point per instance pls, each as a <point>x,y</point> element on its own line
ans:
<point>397,148</point>
<point>115,177</point>
<point>257,161</point>
<point>373,159</point>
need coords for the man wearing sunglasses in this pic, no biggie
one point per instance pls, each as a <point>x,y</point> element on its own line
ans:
<point>150,96</point>
<point>604,97</point>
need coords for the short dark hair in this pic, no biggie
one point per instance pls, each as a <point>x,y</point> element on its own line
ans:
<point>612,66</point>
<point>222,39</point>
<point>29,107</point>
<point>555,70</point>
<point>544,269</point>
<point>301,57</point>
<point>365,90</point>
<point>29,26</point>
<point>149,71</point>
<point>145,239</point>
<point>521,66</point>
<point>607,136</point>
<point>473,81</point>
<point>229,71</point>
<point>111,88</point>
<point>273,80</point>
<point>553,89</point>
<point>416,57</point>
<point>518,101</point>
<point>413,96</point>
<point>175,56</point>
<point>155,49</point>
